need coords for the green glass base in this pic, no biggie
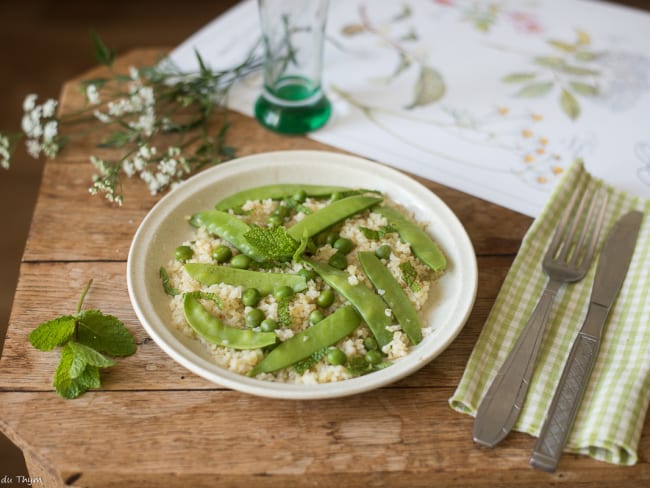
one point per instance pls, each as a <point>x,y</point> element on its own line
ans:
<point>294,119</point>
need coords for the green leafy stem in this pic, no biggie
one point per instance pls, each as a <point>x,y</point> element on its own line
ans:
<point>88,340</point>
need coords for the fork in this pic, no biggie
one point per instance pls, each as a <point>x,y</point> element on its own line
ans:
<point>567,260</point>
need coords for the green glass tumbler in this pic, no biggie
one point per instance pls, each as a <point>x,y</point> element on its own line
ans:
<point>292,99</point>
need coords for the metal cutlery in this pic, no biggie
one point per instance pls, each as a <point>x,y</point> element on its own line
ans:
<point>612,267</point>
<point>567,259</point>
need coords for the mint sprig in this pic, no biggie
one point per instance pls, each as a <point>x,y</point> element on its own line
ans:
<point>86,339</point>
<point>273,242</point>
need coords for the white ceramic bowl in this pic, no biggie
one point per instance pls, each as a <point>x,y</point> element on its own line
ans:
<point>165,226</point>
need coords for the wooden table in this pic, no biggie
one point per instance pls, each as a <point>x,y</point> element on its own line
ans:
<point>154,423</point>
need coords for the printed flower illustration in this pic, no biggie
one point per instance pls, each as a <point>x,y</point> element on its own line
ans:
<point>430,86</point>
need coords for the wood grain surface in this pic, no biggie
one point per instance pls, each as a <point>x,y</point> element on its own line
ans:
<point>154,423</point>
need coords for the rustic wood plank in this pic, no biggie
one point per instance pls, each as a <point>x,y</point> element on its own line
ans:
<point>387,437</point>
<point>47,290</point>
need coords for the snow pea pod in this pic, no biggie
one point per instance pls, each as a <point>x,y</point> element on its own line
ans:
<point>328,331</point>
<point>422,245</point>
<point>368,304</point>
<point>336,211</point>
<point>211,274</point>
<point>276,192</point>
<point>227,227</point>
<point>393,295</point>
<point>213,330</point>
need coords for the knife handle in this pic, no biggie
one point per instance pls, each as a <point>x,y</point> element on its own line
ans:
<point>565,404</point>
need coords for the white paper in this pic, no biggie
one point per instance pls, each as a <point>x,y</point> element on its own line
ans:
<point>585,66</point>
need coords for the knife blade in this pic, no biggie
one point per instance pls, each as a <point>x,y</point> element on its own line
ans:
<point>612,267</point>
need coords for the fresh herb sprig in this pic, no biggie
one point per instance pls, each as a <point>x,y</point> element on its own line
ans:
<point>88,339</point>
<point>164,124</point>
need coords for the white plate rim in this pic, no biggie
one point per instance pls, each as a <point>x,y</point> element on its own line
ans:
<point>306,166</point>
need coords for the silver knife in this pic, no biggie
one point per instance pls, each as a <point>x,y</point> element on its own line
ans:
<point>613,263</point>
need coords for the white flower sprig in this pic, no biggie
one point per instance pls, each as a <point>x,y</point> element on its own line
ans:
<point>143,112</point>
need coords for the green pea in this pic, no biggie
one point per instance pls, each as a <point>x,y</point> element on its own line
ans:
<point>338,261</point>
<point>326,298</point>
<point>383,251</point>
<point>370,343</point>
<point>183,253</point>
<point>274,221</point>
<point>283,292</point>
<point>251,297</point>
<point>308,274</point>
<point>241,261</point>
<point>337,195</point>
<point>268,325</point>
<point>315,317</point>
<point>300,196</point>
<point>373,357</point>
<point>254,317</point>
<point>221,254</point>
<point>331,238</point>
<point>336,357</point>
<point>343,245</point>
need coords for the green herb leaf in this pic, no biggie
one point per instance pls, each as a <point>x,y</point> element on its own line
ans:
<point>53,333</point>
<point>409,275</point>
<point>206,295</point>
<point>169,289</point>
<point>103,54</point>
<point>71,387</point>
<point>104,333</point>
<point>83,356</point>
<point>301,366</point>
<point>376,234</point>
<point>273,242</point>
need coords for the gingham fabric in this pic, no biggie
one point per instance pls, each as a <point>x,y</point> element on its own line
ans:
<point>612,413</point>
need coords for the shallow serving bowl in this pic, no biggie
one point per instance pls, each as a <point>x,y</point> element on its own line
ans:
<point>165,226</point>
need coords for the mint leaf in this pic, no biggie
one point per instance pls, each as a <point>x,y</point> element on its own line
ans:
<point>83,356</point>
<point>69,387</point>
<point>53,333</point>
<point>375,235</point>
<point>273,242</point>
<point>167,286</point>
<point>104,333</point>
<point>409,275</point>
<point>301,366</point>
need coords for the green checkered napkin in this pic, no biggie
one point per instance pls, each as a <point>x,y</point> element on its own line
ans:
<point>611,417</point>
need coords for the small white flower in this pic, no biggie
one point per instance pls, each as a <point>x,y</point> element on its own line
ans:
<point>102,117</point>
<point>128,167</point>
<point>92,95</point>
<point>133,73</point>
<point>49,108</point>
<point>50,130</point>
<point>31,125</point>
<point>33,147</point>
<point>30,102</point>
<point>5,156</point>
